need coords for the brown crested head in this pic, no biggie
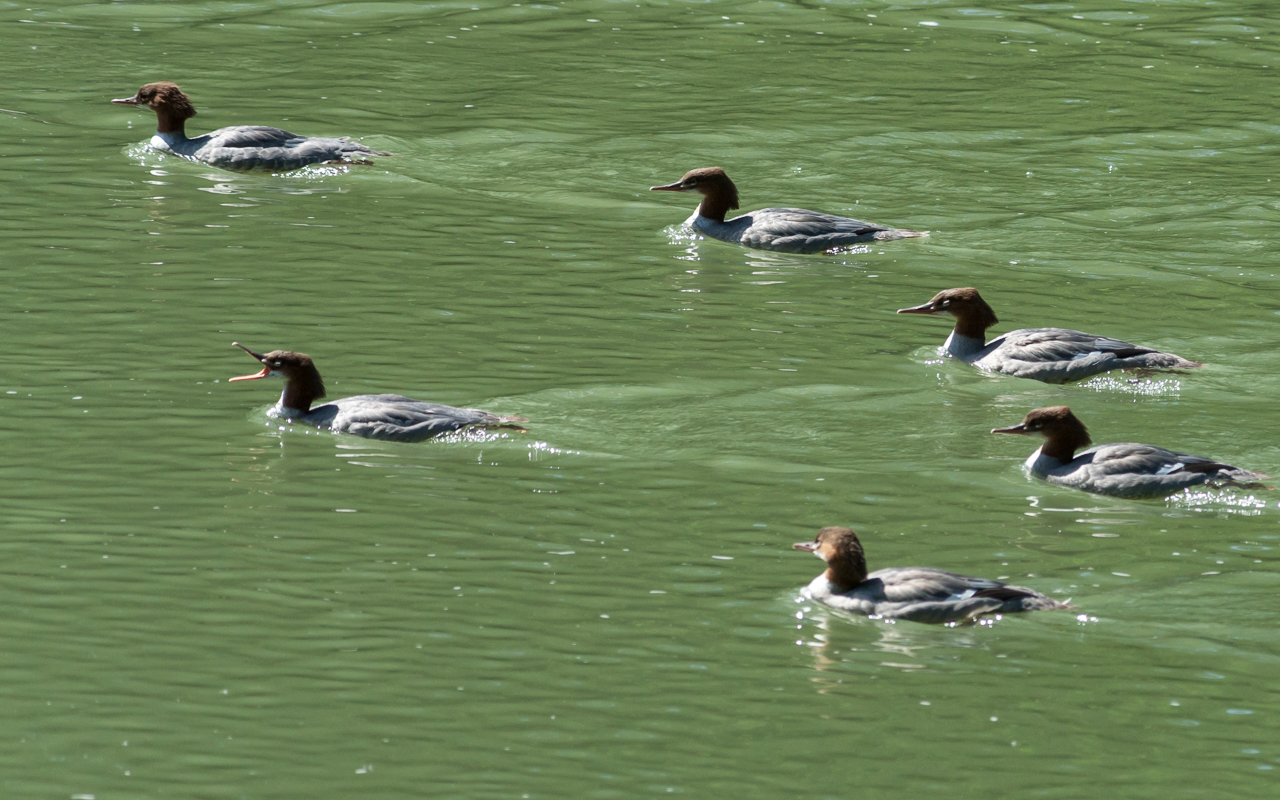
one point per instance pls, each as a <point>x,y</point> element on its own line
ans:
<point>841,549</point>
<point>973,315</point>
<point>719,193</point>
<point>168,96</point>
<point>289,363</point>
<point>1063,431</point>
<point>303,384</point>
<point>173,108</point>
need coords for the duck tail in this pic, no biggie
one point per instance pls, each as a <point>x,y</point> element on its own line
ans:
<point>1020,598</point>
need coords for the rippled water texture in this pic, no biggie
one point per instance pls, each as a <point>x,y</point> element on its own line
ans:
<point>201,604</point>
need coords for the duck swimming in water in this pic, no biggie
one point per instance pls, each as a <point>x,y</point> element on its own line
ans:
<point>785,230</point>
<point>390,417</point>
<point>918,594</point>
<point>239,147</point>
<point>1120,470</point>
<point>1052,355</point>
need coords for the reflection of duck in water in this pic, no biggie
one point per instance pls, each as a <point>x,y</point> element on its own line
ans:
<point>787,230</point>
<point>373,416</point>
<point>1120,470</point>
<point>901,647</point>
<point>239,147</point>
<point>1052,355</point>
<point>913,593</point>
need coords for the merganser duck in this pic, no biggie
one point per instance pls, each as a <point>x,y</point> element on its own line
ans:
<point>786,230</point>
<point>1120,470</point>
<point>374,416</point>
<point>918,594</point>
<point>1052,355</point>
<point>239,147</point>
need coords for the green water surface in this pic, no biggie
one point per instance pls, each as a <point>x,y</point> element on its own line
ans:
<point>199,602</point>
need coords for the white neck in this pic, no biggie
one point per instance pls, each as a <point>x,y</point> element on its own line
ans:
<point>1040,464</point>
<point>727,231</point>
<point>166,141</point>
<point>281,411</point>
<point>963,347</point>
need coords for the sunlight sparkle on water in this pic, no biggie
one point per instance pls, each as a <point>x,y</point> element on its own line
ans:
<point>1223,500</point>
<point>1144,387</point>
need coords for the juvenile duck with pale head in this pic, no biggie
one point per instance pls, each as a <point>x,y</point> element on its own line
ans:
<point>918,594</point>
